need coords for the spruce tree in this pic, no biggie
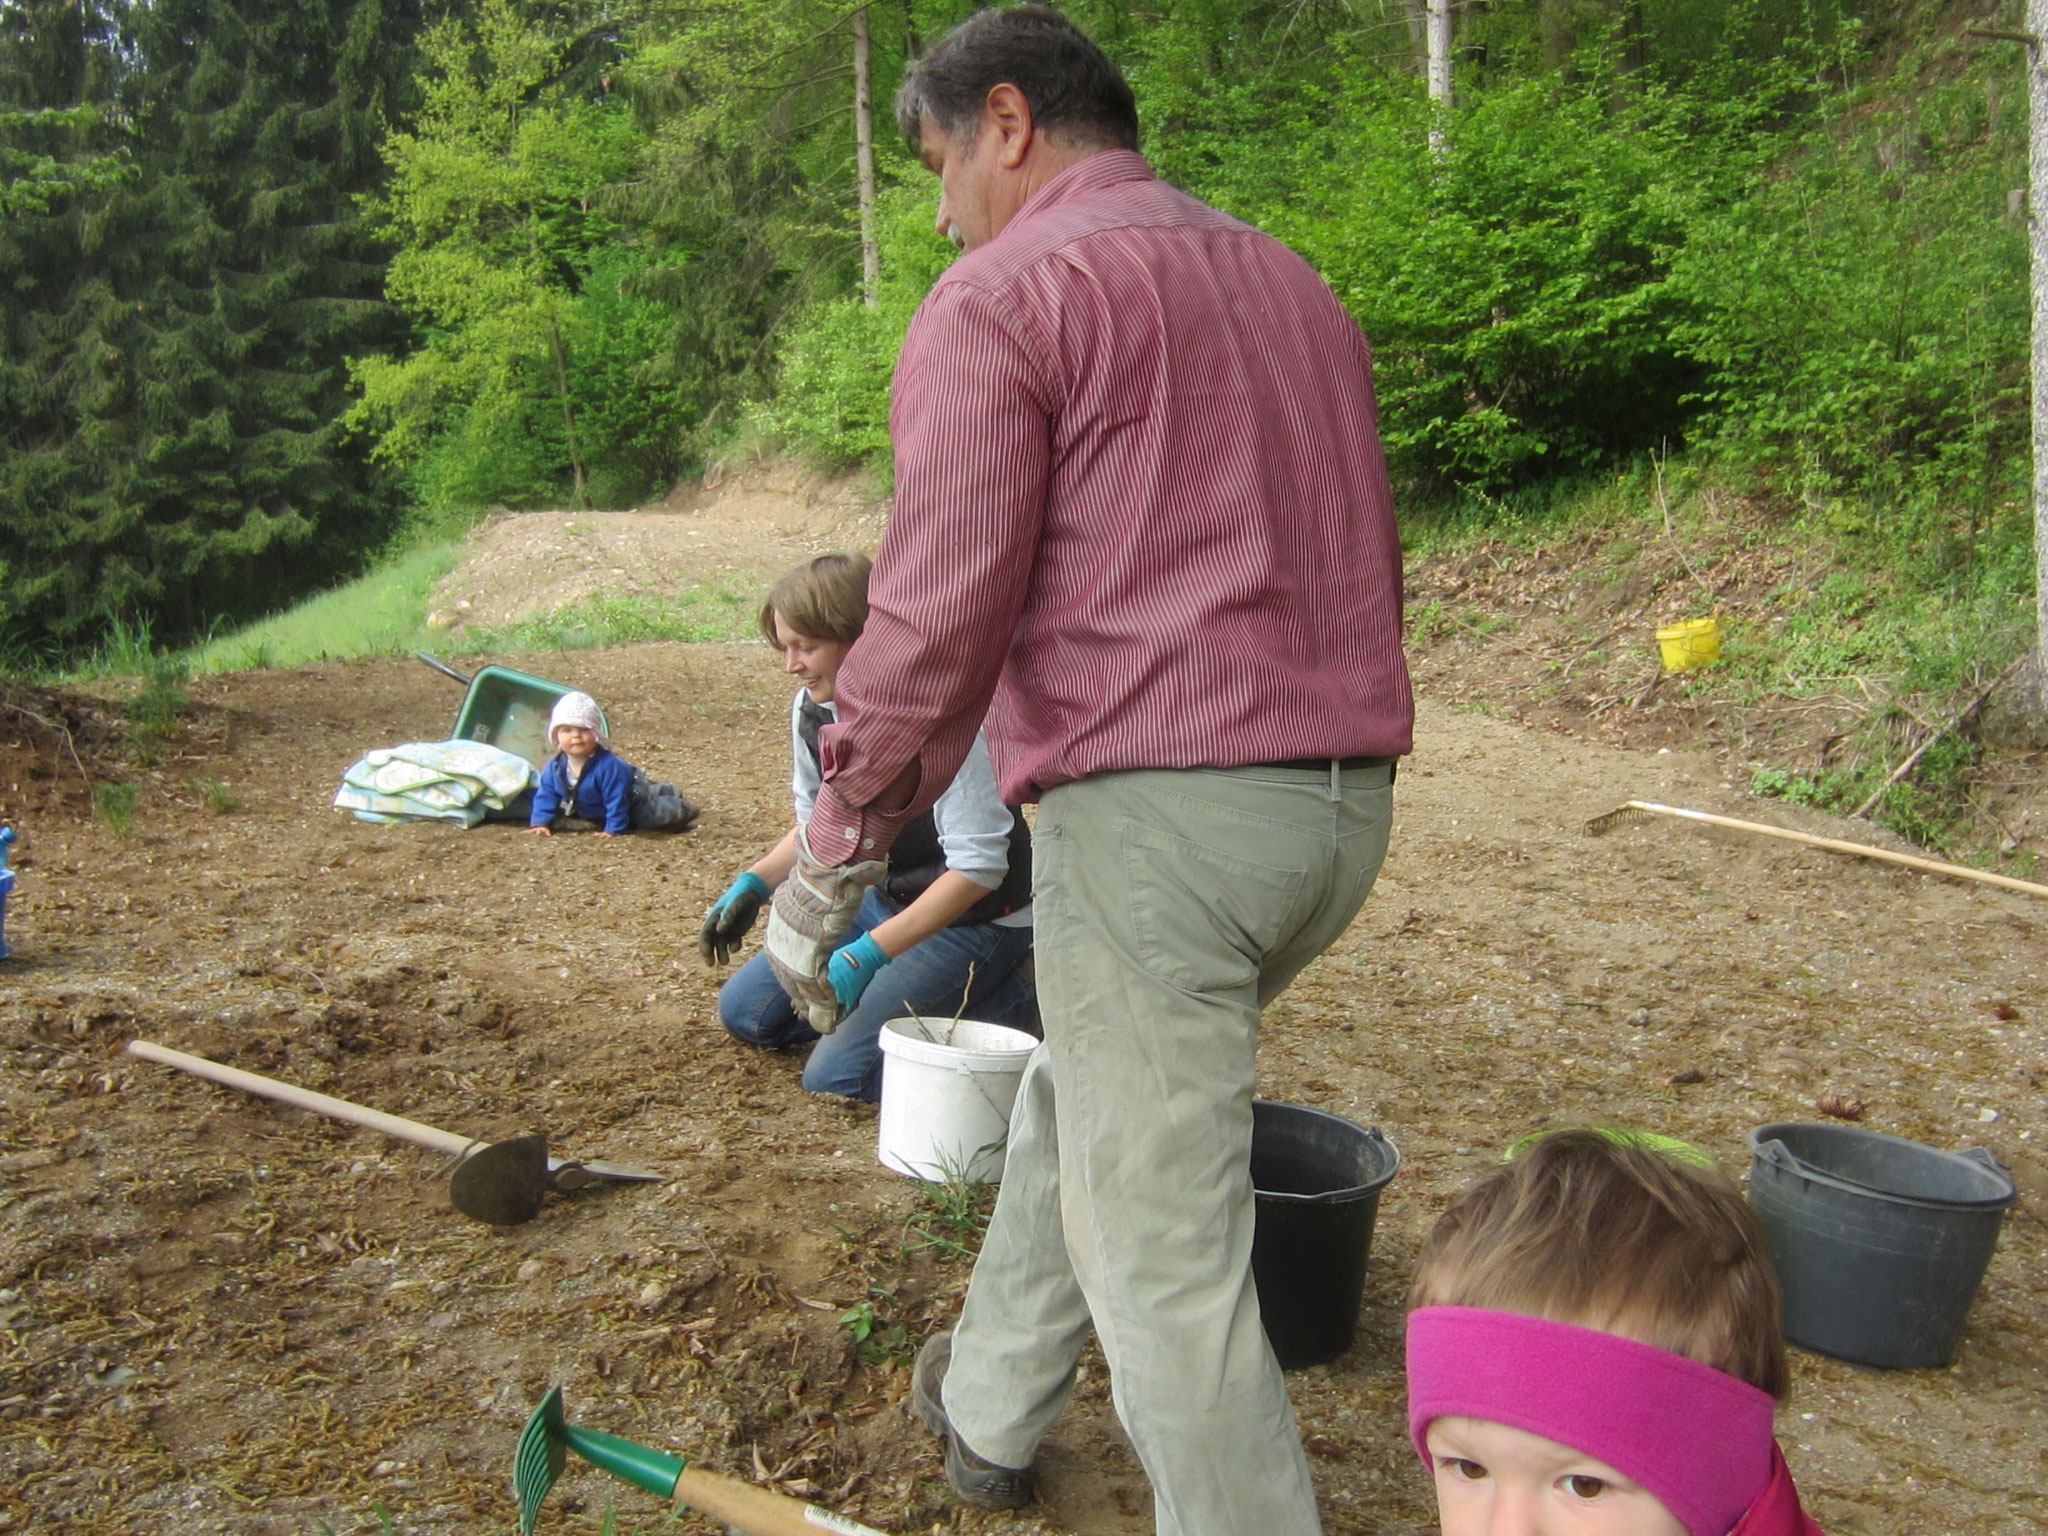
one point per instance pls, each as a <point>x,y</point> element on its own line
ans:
<point>174,343</point>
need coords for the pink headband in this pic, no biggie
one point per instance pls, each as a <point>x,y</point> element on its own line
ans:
<point>1696,1438</point>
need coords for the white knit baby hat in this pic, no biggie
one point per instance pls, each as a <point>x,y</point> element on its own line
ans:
<point>578,709</point>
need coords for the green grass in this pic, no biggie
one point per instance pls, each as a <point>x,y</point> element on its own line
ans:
<point>129,650</point>
<point>113,806</point>
<point>380,614</point>
<point>385,614</point>
<point>1452,520</point>
<point>951,1216</point>
<point>703,614</point>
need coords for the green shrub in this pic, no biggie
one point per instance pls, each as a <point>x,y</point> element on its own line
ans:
<point>633,412</point>
<point>1515,290</point>
<point>831,400</point>
<point>1862,315</point>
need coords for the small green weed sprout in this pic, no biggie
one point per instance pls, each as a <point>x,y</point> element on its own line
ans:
<point>608,1522</point>
<point>875,1340</point>
<point>387,1523</point>
<point>951,1216</point>
<point>156,705</point>
<point>1429,622</point>
<point>113,807</point>
<point>215,793</point>
<point>1778,784</point>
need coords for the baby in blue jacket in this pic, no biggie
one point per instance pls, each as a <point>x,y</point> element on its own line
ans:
<point>586,780</point>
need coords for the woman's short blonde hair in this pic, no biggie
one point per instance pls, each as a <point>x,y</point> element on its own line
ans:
<point>1597,1229</point>
<point>825,598</point>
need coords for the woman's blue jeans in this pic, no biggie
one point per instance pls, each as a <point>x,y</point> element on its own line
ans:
<point>929,978</point>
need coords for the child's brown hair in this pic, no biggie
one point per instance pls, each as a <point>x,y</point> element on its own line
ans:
<point>1600,1230</point>
<point>825,598</point>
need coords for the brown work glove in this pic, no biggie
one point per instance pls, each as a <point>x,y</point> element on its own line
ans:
<point>812,910</point>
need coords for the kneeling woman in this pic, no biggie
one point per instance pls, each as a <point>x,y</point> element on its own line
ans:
<point>947,932</point>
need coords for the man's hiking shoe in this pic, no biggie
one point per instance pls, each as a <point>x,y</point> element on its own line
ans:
<point>977,1482</point>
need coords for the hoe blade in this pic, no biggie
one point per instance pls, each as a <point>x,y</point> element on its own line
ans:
<point>503,1183</point>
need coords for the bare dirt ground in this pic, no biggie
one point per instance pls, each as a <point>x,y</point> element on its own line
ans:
<point>220,1315</point>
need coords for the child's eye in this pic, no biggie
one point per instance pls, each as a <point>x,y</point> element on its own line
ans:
<point>1460,1466</point>
<point>1581,1486</point>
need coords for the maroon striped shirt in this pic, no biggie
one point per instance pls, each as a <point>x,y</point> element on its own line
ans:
<point>1142,516</point>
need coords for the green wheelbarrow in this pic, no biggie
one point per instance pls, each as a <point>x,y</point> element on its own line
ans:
<point>509,710</point>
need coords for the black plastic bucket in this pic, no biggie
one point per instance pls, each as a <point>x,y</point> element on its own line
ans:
<point>1880,1243</point>
<point>1316,1181</point>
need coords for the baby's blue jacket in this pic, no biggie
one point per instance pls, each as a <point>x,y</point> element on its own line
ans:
<point>602,794</point>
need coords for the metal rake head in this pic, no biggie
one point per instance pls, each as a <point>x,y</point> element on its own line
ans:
<point>543,1451</point>
<point>1633,810</point>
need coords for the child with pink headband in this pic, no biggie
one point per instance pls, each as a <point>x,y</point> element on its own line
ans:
<point>1594,1347</point>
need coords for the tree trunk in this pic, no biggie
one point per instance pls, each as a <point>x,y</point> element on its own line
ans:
<point>2037,229</point>
<point>1416,13</point>
<point>1635,37</point>
<point>1440,69</point>
<point>864,158</point>
<point>1557,22</point>
<point>568,415</point>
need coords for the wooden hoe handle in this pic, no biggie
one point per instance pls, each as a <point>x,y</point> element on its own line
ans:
<point>1836,845</point>
<point>760,1511</point>
<point>305,1098</point>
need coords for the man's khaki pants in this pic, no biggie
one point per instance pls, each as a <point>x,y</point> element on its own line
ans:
<point>1170,906</point>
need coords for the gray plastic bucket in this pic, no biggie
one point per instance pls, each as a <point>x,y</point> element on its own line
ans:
<point>1316,1181</point>
<point>1880,1243</point>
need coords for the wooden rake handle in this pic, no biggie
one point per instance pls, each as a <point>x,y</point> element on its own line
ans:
<point>760,1511</point>
<point>305,1098</point>
<point>1835,844</point>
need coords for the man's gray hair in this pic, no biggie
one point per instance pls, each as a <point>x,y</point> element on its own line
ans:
<point>1070,85</point>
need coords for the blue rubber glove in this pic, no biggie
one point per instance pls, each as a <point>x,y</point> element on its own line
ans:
<point>852,968</point>
<point>730,917</point>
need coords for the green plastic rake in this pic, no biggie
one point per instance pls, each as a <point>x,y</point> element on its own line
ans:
<point>544,1447</point>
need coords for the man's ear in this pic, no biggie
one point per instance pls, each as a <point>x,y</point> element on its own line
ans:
<point>1011,113</point>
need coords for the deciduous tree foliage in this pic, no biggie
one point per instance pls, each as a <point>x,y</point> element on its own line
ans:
<point>490,207</point>
<point>575,248</point>
<point>56,138</point>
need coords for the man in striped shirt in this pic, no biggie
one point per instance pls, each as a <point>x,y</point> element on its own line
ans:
<point>1142,522</point>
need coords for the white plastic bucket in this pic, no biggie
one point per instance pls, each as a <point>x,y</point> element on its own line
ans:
<point>947,1088</point>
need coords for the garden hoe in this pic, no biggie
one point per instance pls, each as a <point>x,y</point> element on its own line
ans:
<point>544,1447</point>
<point>497,1182</point>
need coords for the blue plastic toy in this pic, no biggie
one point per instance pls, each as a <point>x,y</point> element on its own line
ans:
<point>6,885</point>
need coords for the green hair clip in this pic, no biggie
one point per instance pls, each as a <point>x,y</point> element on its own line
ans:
<point>1667,1147</point>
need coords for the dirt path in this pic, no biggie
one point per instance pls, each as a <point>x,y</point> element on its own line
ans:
<point>221,1316</point>
<point>753,523</point>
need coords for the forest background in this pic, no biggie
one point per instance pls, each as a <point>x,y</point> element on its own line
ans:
<point>292,287</point>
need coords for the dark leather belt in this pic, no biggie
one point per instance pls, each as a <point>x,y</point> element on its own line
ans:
<point>1322,764</point>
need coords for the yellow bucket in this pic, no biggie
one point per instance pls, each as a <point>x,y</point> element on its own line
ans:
<point>1694,643</point>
